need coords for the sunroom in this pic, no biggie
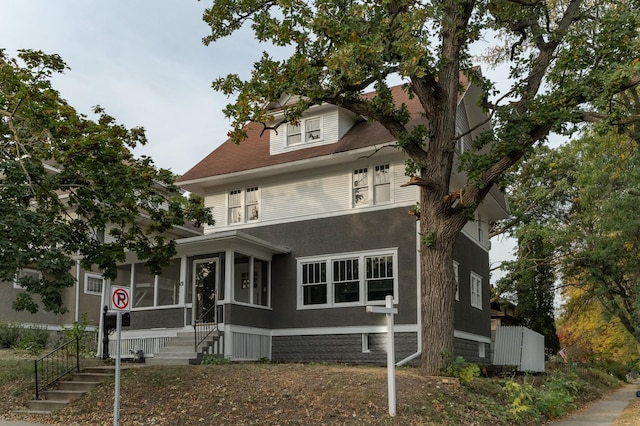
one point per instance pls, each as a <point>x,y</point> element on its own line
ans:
<point>209,277</point>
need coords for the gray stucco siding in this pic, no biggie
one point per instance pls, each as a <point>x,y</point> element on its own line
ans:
<point>472,258</point>
<point>342,234</point>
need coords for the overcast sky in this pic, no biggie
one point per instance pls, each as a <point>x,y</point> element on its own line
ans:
<point>144,62</point>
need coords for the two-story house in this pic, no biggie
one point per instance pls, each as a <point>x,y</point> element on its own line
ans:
<point>312,226</point>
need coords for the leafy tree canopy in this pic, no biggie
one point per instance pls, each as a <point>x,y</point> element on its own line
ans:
<point>70,186</point>
<point>567,60</point>
<point>578,203</point>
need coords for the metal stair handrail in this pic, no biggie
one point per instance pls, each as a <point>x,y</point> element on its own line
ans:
<point>204,326</point>
<point>57,364</point>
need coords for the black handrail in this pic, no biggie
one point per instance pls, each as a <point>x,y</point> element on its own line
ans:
<point>57,364</point>
<point>204,326</point>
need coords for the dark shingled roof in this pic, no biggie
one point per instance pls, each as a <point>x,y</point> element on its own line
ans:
<point>253,152</point>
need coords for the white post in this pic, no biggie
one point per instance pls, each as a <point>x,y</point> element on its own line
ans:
<point>389,311</point>
<point>116,399</point>
<point>391,358</point>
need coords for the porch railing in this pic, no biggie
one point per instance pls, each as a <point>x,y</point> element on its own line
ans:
<point>204,326</point>
<point>57,364</point>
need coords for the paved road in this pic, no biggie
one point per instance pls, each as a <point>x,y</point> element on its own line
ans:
<point>603,412</point>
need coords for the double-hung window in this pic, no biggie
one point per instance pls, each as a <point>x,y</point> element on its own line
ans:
<point>347,279</point>
<point>378,178</point>
<point>26,274</point>
<point>307,131</point>
<point>244,205</point>
<point>313,281</point>
<point>93,284</point>
<point>476,290</point>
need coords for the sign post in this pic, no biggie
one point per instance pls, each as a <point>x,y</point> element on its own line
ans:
<point>390,311</point>
<point>120,301</point>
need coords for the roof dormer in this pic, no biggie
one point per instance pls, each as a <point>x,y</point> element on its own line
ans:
<point>320,125</point>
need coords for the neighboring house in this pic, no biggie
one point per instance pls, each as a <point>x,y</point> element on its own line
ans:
<point>312,226</point>
<point>86,297</point>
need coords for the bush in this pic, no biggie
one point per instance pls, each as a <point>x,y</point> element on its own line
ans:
<point>459,368</point>
<point>33,339</point>
<point>87,339</point>
<point>9,334</point>
<point>215,360</point>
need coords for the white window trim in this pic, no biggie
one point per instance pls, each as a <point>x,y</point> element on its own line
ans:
<point>393,252</point>
<point>480,228</point>
<point>28,270</point>
<point>303,132</point>
<point>371,185</point>
<point>481,350</point>
<point>243,205</point>
<point>366,343</point>
<point>86,283</point>
<point>474,295</point>
<point>456,274</point>
<point>252,260</point>
<point>133,285</point>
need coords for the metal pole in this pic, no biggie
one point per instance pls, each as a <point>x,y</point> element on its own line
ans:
<point>391,359</point>
<point>116,399</point>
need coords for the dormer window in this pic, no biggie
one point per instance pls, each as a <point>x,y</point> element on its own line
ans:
<point>312,131</point>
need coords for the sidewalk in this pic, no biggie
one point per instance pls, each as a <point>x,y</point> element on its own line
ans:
<point>602,412</point>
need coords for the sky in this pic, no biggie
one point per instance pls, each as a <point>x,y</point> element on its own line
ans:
<point>144,62</point>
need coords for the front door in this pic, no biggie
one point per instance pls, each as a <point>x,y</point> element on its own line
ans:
<point>205,279</point>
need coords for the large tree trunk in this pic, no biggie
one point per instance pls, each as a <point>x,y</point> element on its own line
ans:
<point>438,284</point>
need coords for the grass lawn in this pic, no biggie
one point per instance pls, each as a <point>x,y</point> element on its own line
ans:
<point>291,394</point>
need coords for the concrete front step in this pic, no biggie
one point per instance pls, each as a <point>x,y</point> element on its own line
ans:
<point>62,395</point>
<point>72,385</point>
<point>47,405</point>
<point>70,390</point>
<point>169,361</point>
<point>91,377</point>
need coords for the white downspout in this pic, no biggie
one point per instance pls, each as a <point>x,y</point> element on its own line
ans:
<point>76,316</point>
<point>419,304</point>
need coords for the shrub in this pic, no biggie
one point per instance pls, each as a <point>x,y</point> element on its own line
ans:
<point>33,339</point>
<point>459,368</point>
<point>215,360</point>
<point>9,334</point>
<point>87,339</point>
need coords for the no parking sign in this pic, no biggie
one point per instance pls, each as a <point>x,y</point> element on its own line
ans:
<point>120,298</point>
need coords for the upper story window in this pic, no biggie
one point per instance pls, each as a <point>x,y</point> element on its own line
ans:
<point>309,130</point>
<point>93,284</point>
<point>378,178</point>
<point>347,279</point>
<point>456,268</point>
<point>480,228</point>
<point>476,290</point>
<point>26,273</point>
<point>244,205</point>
